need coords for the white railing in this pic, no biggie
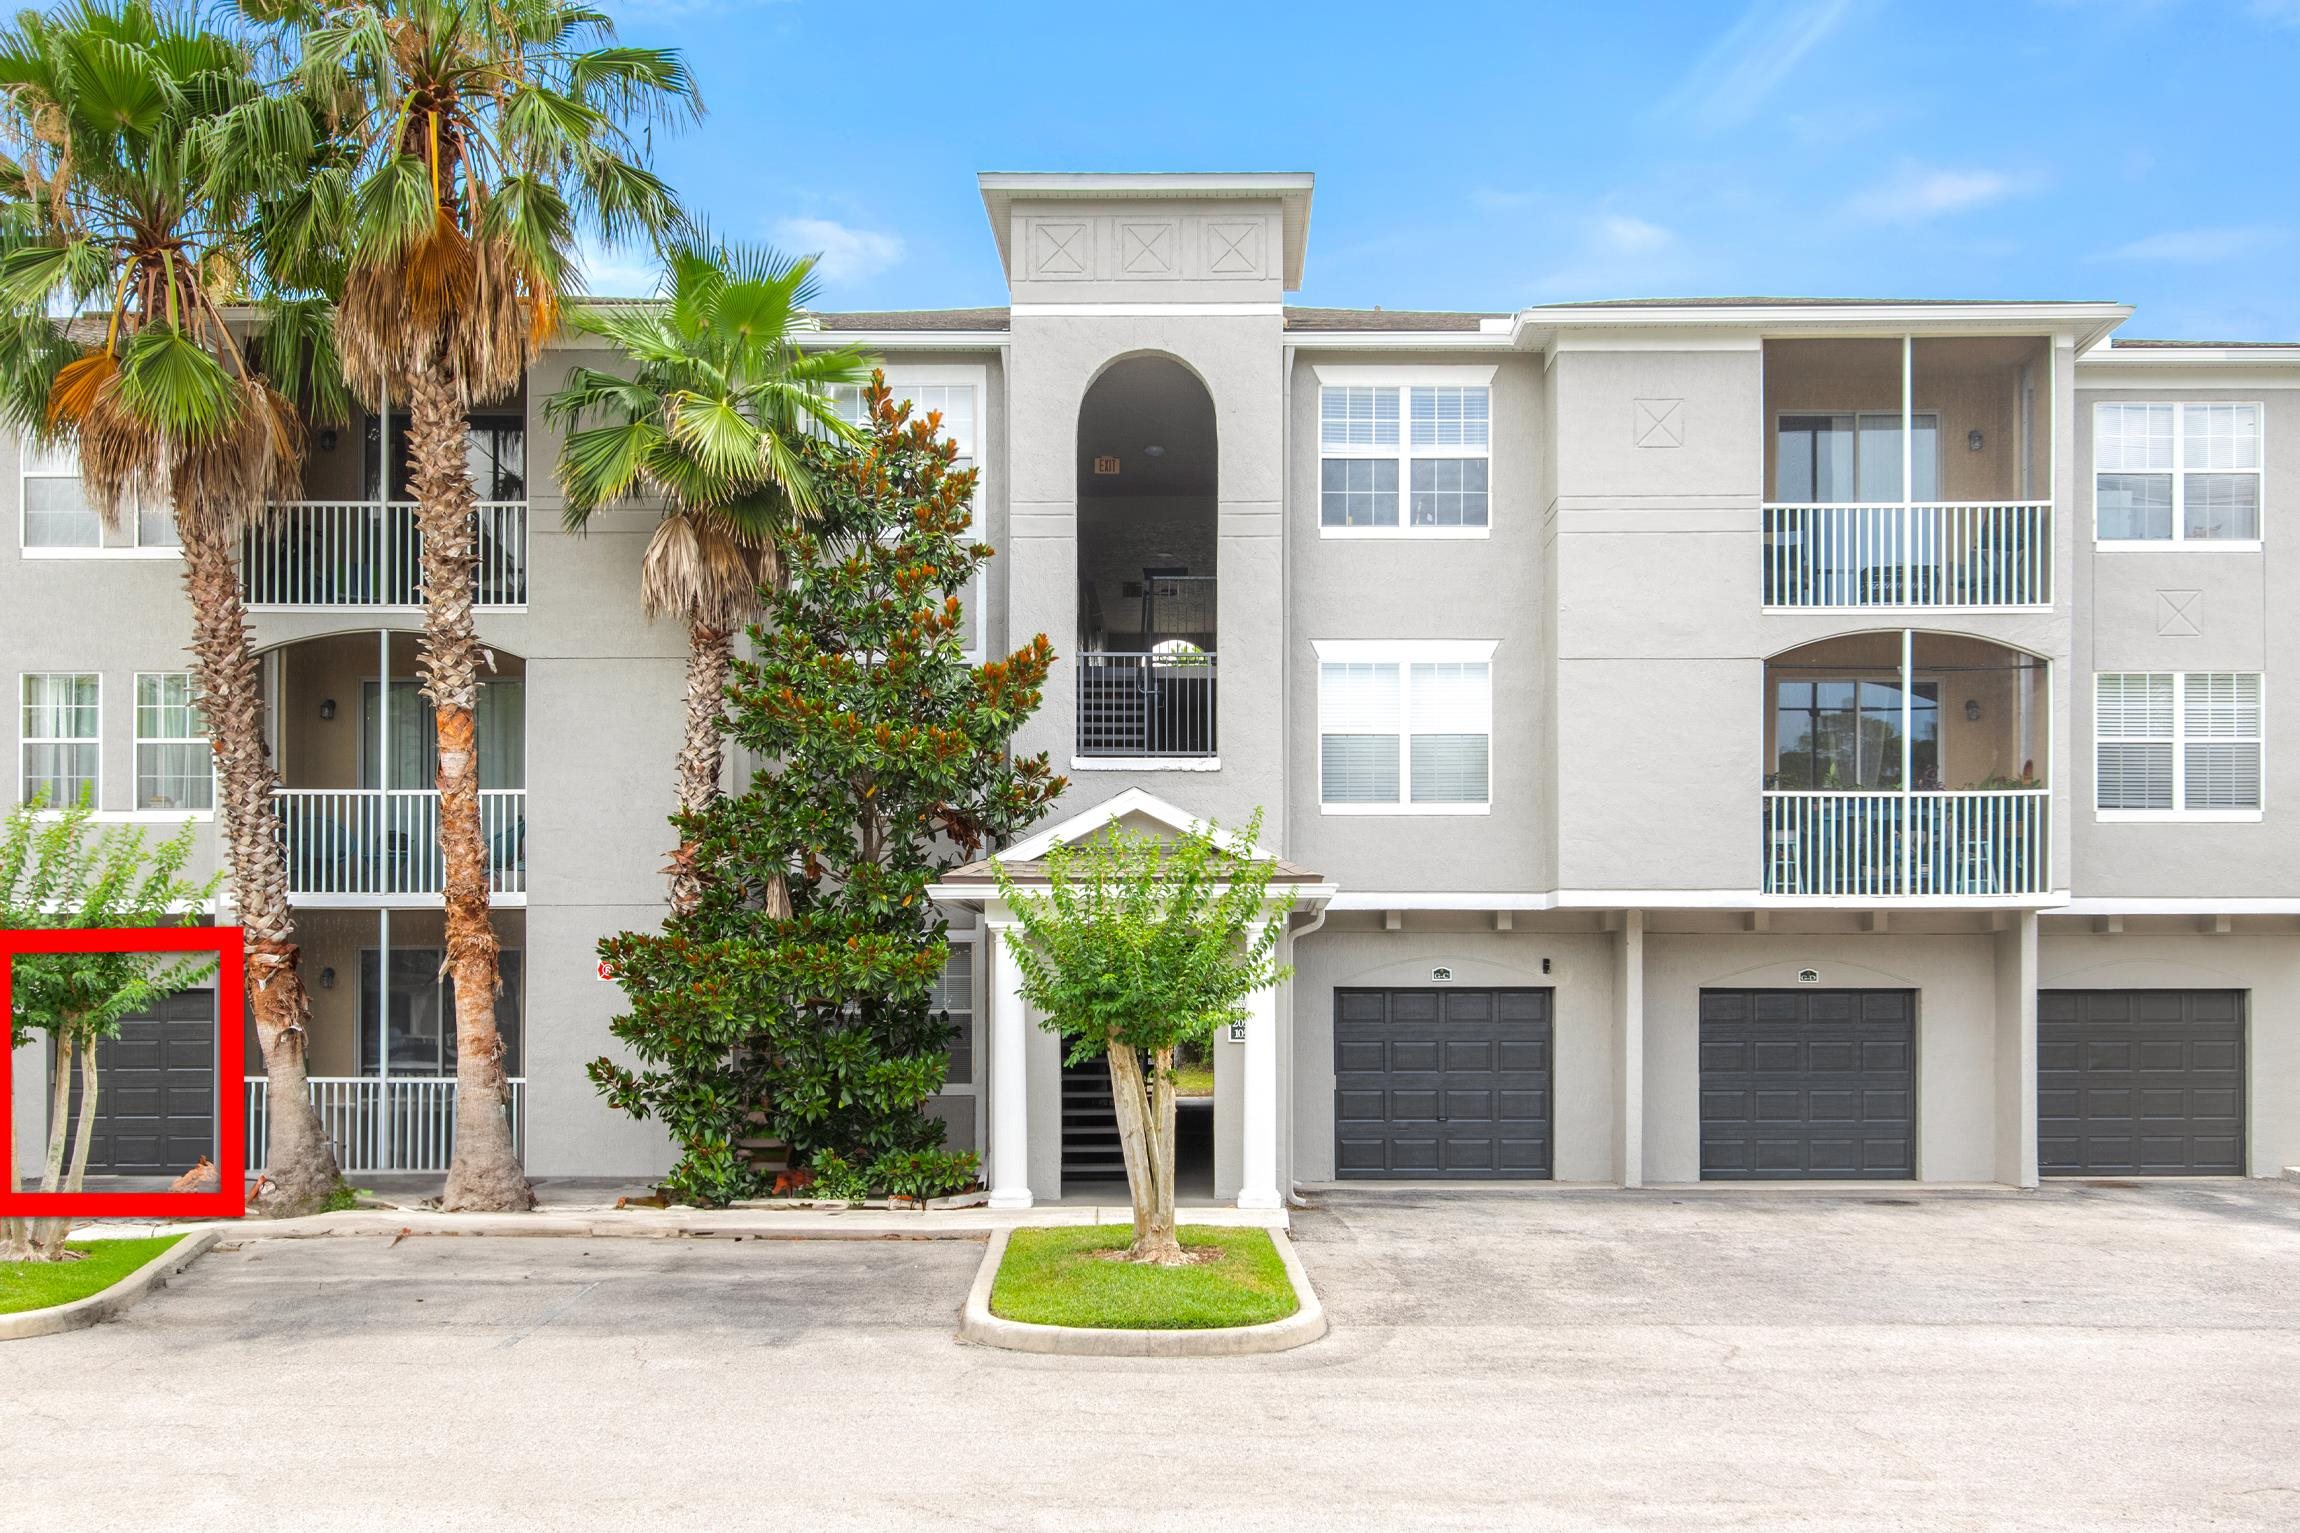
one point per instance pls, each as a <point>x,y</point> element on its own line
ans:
<point>377,1124</point>
<point>1893,845</point>
<point>1944,554</point>
<point>368,841</point>
<point>364,553</point>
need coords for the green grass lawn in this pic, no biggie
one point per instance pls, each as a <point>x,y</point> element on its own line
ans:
<point>43,1285</point>
<point>1053,1277</point>
<point>1194,1080</point>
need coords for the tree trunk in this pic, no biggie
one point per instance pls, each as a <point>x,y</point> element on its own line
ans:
<point>76,1178</point>
<point>710,656</point>
<point>1146,1136</point>
<point>47,1235</point>
<point>300,1163</point>
<point>485,1174</point>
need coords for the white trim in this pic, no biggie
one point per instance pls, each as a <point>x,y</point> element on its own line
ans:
<point>2184,357</point>
<point>1407,649</point>
<point>968,937</point>
<point>1399,340</point>
<point>105,553</point>
<point>2178,474</point>
<point>1679,341</point>
<point>1143,310</point>
<point>1109,812</point>
<point>131,518</point>
<point>907,340</point>
<point>1405,654</point>
<point>1394,375</point>
<point>2122,905</point>
<point>973,376</point>
<point>1402,381</point>
<point>137,740</point>
<point>1430,534</point>
<point>1145,763</point>
<point>495,901</point>
<point>2086,324</point>
<point>2179,741</point>
<point>2178,816</point>
<point>1688,899</point>
<point>24,742</point>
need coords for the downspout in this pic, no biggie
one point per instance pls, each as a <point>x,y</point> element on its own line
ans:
<point>1285,599</point>
<point>1293,935</point>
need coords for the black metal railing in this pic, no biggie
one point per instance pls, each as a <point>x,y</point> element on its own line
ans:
<point>1159,703</point>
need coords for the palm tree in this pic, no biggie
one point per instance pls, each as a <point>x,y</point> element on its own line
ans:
<point>144,164</point>
<point>486,136</point>
<point>708,423</point>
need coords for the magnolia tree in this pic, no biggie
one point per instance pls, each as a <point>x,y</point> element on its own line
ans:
<point>790,999</point>
<point>1136,947</point>
<point>54,874</point>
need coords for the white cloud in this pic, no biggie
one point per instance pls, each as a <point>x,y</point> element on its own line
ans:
<point>848,254</point>
<point>1631,236</point>
<point>2194,247</point>
<point>1730,81</point>
<point>1916,193</point>
<point>611,273</point>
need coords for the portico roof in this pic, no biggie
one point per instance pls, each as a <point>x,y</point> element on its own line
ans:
<point>1025,860</point>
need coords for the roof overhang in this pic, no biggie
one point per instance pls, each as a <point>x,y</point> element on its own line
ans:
<point>2086,324</point>
<point>1001,189</point>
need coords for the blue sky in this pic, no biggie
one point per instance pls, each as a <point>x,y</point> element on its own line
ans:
<point>1490,156</point>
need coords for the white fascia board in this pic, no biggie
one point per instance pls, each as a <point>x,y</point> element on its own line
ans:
<point>2116,905</point>
<point>2187,357</point>
<point>908,340</point>
<point>1400,340</point>
<point>1692,899</point>
<point>2086,324</point>
<point>1404,649</point>
<point>1472,374</point>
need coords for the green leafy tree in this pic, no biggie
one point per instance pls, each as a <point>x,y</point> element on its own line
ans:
<point>483,140</point>
<point>792,1000</point>
<point>1136,947</point>
<point>707,426</point>
<point>54,873</point>
<point>150,185</point>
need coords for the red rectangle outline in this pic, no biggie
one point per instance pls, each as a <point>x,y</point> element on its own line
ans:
<point>230,1199</point>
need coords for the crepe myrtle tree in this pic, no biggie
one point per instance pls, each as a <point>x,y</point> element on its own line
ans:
<point>1137,946</point>
<point>790,1001</point>
<point>53,873</point>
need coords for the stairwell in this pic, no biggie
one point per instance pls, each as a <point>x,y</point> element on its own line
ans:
<point>1090,1148</point>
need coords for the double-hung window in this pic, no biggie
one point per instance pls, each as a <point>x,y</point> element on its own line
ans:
<point>1405,457</point>
<point>1405,728</point>
<point>60,520</point>
<point>2176,473</point>
<point>953,997</point>
<point>62,738</point>
<point>957,392</point>
<point>2186,743</point>
<point>174,769</point>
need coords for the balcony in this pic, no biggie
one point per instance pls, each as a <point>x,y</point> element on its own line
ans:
<point>1907,765</point>
<point>367,555</point>
<point>377,1124</point>
<point>1938,554</point>
<point>1913,845</point>
<point>372,842</point>
<point>1155,704</point>
<point>1908,472</point>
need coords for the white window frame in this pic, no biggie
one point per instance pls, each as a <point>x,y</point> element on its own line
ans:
<point>132,521</point>
<point>2179,741</point>
<point>1402,381</point>
<point>899,381</point>
<point>1405,654</point>
<point>2180,472</point>
<point>25,742</point>
<point>967,939</point>
<point>140,740</point>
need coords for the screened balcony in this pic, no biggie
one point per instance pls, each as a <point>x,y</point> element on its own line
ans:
<point>1908,473</point>
<point>1906,765</point>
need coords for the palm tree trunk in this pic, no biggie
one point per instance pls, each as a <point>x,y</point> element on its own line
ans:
<point>710,657</point>
<point>485,1173</point>
<point>299,1161</point>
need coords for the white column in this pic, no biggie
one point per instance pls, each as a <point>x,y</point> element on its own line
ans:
<point>1009,1079</point>
<point>1629,1057</point>
<point>1258,1161</point>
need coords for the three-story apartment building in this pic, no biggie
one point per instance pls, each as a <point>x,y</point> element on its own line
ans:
<point>1707,739</point>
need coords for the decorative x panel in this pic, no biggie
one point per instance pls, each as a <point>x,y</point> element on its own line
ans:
<point>2179,614</point>
<point>1146,250</point>
<point>1061,250</point>
<point>1658,423</point>
<point>1234,250</point>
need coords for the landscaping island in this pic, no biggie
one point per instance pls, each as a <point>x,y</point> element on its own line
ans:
<point>1068,1277</point>
<point>44,1285</point>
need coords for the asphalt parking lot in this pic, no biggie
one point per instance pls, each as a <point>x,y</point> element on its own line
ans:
<point>2106,1356</point>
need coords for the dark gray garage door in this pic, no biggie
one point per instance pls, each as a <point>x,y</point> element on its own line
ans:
<point>2140,1082</point>
<point>1442,1083</point>
<point>1808,1083</point>
<point>155,1090</point>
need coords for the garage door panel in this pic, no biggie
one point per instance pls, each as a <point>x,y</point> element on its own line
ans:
<point>1442,1083</point>
<point>2140,1082</point>
<point>1807,1083</point>
<point>155,1107</point>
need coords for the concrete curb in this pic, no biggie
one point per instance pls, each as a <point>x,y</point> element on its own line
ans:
<point>978,1325</point>
<point>695,1223</point>
<point>123,1295</point>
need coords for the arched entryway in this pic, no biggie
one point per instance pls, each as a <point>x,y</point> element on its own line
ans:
<point>1147,540</point>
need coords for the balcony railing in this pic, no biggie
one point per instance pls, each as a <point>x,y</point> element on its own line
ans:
<point>1908,845</point>
<point>365,841</point>
<point>403,1123</point>
<point>1945,554</point>
<point>362,553</point>
<point>1155,704</point>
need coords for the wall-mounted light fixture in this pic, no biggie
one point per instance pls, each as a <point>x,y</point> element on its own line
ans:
<point>1973,440</point>
<point>327,979</point>
<point>1973,710</point>
<point>327,708</point>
